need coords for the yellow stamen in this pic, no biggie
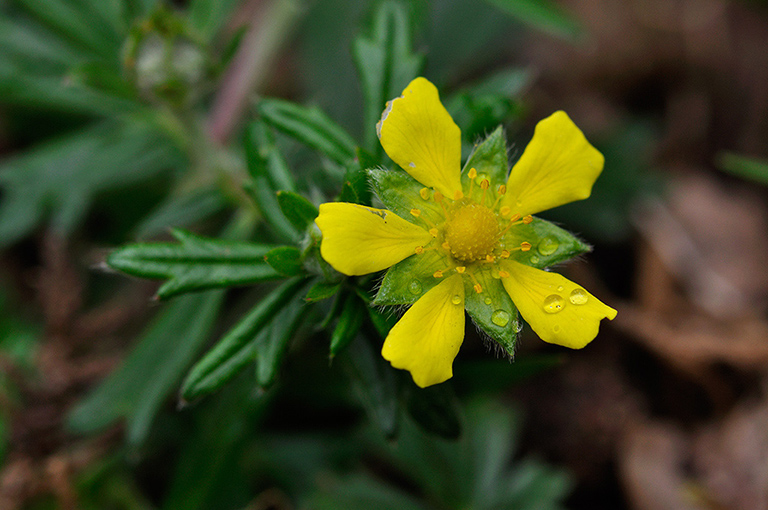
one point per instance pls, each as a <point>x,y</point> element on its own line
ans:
<point>458,195</point>
<point>438,196</point>
<point>504,254</point>
<point>415,212</point>
<point>446,245</point>
<point>461,269</point>
<point>503,274</point>
<point>478,288</point>
<point>437,274</point>
<point>527,219</point>
<point>502,189</point>
<point>504,211</point>
<point>419,250</point>
<point>484,184</point>
<point>433,231</point>
<point>471,174</point>
<point>490,258</point>
<point>525,246</point>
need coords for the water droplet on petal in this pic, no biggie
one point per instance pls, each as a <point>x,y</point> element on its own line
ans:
<point>553,303</point>
<point>488,301</point>
<point>412,164</point>
<point>578,296</point>
<point>560,288</point>
<point>500,318</point>
<point>556,328</point>
<point>415,287</point>
<point>548,246</point>
<point>456,300</point>
<point>534,259</point>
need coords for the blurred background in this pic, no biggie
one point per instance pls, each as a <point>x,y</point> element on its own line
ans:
<point>120,119</point>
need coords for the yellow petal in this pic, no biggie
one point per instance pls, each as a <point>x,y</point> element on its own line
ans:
<point>557,167</point>
<point>427,338</point>
<point>360,240</point>
<point>558,310</point>
<point>418,133</point>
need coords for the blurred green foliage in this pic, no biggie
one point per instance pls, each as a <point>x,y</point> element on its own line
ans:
<point>112,99</point>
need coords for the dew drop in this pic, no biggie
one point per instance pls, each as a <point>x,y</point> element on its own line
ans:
<point>518,326</point>
<point>553,303</point>
<point>500,318</point>
<point>412,164</point>
<point>534,259</point>
<point>578,296</point>
<point>415,287</point>
<point>560,288</point>
<point>548,246</point>
<point>456,300</point>
<point>488,301</point>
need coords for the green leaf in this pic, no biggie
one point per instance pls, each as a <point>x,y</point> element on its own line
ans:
<point>350,321</point>
<point>386,63</point>
<point>551,244</point>
<point>286,260</point>
<point>138,389</point>
<point>196,263</point>
<point>207,16</point>
<point>270,174</point>
<point>35,49</point>
<point>182,210</point>
<point>272,343</point>
<point>299,211</point>
<point>310,126</point>
<point>322,290</point>
<point>361,491</point>
<point>544,15</point>
<point>356,188</point>
<point>375,382</point>
<point>489,159</point>
<point>742,166</point>
<point>64,176</point>
<point>435,410</point>
<point>238,346</point>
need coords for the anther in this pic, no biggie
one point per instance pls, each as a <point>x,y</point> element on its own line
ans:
<point>433,232</point>
<point>458,195</point>
<point>437,274</point>
<point>438,196</point>
<point>446,245</point>
<point>490,258</point>
<point>485,184</point>
<point>424,192</point>
<point>504,254</point>
<point>503,274</point>
<point>505,211</point>
<point>502,189</point>
<point>419,250</point>
<point>461,269</point>
<point>478,288</point>
<point>416,212</point>
<point>525,246</point>
<point>527,219</point>
<point>472,173</point>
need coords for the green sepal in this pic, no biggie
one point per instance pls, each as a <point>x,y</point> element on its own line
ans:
<point>350,321</point>
<point>238,346</point>
<point>286,260</point>
<point>492,310</point>
<point>490,159</point>
<point>385,62</point>
<point>408,280</point>
<point>196,263</point>
<point>382,321</point>
<point>400,193</point>
<point>322,290</point>
<point>355,188</point>
<point>550,244</point>
<point>299,211</point>
<point>310,126</point>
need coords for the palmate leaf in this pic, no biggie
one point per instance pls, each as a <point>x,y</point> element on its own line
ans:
<point>61,178</point>
<point>196,263</point>
<point>386,62</point>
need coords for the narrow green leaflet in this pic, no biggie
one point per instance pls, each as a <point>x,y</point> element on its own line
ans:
<point>544,15</point>
<point>286,260</point>
<point>350,321</point>
<point>272,343</point>
<point>270,174</point>
<point>386,63</point>
<point>745,167</point>
<point>375,382</point>
<point>238,346</point>
<point>207,16</point>
<point>138,389</point>
<point>322,290</point>
<point>362,491</point>
<point>62,177</point>
<point>299,211</point>
<point>196,263</point>
<point>310,126</point>
<point>182,210</point>
<point>356,189</point>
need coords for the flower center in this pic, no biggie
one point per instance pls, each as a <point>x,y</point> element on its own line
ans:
<point>472,231</point>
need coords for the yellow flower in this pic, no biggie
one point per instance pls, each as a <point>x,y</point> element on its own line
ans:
<point>467,237</point>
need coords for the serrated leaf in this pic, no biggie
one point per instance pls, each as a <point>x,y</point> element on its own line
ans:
<point>137,389</point>
<point>375,382</point>
<point>238,347</point>
<point>350,321</point>
<point>297,209</point>
<point>489,158</point>
<point>310,126</point>
<point>386,63</point>
<point>196,263</point>
<point>321,291</point>
<point>270,174</point>
<point>742,166</point>
<point>63,176</point>
<point>286,260</point>
<point>544,15</point>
